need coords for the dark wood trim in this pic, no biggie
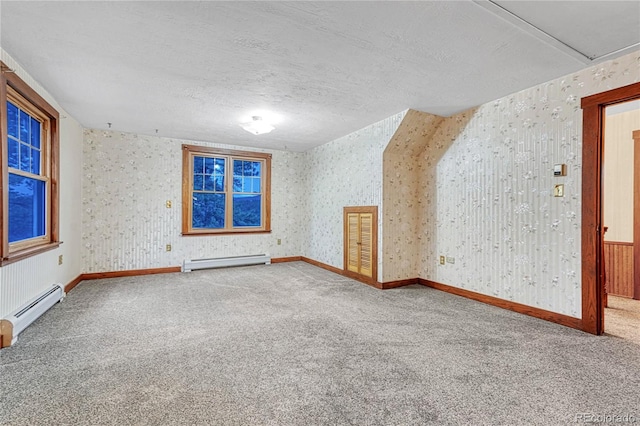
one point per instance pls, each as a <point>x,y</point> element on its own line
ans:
<point>507,304</point>
<point>399,283</point>
<point>618,243</point>
<point>362,279</point>
<point>73,283</point>
<point>28,252</point>
<point>322,265</point>
<point>610,97</point>
<point>4,165</point>
<point>129,273</point>
<point>636,220</point>
<point>236,232</point>
<point>224,151</point>
<point>187,152</point>
<point>286,259</point>
<point>358,277</point>
<point>592,155</point>
<point>8,78</point>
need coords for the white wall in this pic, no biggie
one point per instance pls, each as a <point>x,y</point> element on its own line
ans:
<point>488,185</point>
<point>21,281</point>
<point>618,173</point>
<point>127,179</point>
<point>345,172</point>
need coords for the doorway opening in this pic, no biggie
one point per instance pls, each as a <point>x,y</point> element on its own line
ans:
<point>621,211</point>
<point>593,265</point>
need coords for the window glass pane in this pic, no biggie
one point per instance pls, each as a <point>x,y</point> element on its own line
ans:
<point>247,210</point>
<point>209,183</point>
<point>198,165</point>
<point>25,124</point>
<point>35,133</point>
<point>25,157</point>
<point>220,165</point>
<point>14,153</point>
<point>12,120</point>
<point>208,165</point>
<point>248,168</point>
<point>219,183</point>
<point>237,184</point>
<point>35,161</point>
<point>208,210</point>
<point>27,208</point>
<point>256,185</point>
<point>246,184</point>
<point>257,166</point>
<point>198,182</point>
<point>237,168</point>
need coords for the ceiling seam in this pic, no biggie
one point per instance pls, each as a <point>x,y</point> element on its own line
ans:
<point>531,29</point>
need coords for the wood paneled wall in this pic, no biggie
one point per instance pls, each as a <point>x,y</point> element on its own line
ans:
<point>618,260</point>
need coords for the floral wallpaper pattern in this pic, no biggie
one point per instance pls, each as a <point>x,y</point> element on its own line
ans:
<point>401,216</point>
<point>127,180</point>
<point>487,192</point>
<point>345,172</point>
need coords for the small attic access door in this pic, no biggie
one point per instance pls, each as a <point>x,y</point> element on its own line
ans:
<point>361,242</point>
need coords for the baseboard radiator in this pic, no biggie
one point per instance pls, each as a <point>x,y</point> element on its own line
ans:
<point>17,321</point>
<point>222,262</point>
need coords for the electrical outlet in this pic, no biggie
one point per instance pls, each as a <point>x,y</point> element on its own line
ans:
<point>60,260</point>
<point>451,259</point>
<point>168,204</point>
<point>442,260</point>
<point>279,241</point>
<point>168,247</point>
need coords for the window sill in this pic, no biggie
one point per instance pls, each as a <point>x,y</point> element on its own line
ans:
<point>25,253</point>
<point>209,233</point>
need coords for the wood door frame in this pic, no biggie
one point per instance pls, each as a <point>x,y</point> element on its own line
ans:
<point>592,155</point>
<point>636,209</point>
<point>374,242</point>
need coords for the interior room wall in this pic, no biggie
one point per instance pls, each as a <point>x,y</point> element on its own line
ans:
<point>23,280</point>
<point>345,172</point>
<point>401,203</point>
<point>618,175</point>
<point>489,187</point>
<point>127,180</point>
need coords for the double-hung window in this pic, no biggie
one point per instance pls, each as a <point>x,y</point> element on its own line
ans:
<point>225,191</point>
<point>30,171</point>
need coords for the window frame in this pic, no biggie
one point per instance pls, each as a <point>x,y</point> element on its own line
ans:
<point>190,151</point>
<point>14,88</point>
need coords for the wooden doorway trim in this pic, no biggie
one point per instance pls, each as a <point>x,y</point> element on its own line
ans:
<point>373,210</point>
<point>592,149</point>
<point>636,212</point>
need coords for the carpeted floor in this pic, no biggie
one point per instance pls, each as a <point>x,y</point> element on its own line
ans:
<point>292,344</point>
<point>622,319</point>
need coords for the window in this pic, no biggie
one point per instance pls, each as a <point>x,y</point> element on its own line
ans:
<point>30,170</point>
<point>225,191</point>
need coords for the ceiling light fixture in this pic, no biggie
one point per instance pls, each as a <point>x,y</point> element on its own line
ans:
<point>257,126</point>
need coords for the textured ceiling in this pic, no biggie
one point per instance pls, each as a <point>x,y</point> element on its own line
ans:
<point>194,70</point>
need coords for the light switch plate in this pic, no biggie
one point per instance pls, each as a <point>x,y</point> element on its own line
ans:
<point>558,190</point>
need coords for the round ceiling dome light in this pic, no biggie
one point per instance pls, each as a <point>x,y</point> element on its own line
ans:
<point>257,126</point>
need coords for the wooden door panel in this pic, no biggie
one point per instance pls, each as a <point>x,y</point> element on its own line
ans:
<point>352,242</point>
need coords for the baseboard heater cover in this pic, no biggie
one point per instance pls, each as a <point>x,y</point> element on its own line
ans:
<point>17,321</point>
<point>222,262</point>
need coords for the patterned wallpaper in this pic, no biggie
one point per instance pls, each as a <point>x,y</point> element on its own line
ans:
<point>128,178</point>
<point>345,172</point>
<point>401,212</point>
<point>22,281</point>
<point>487,192</point>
